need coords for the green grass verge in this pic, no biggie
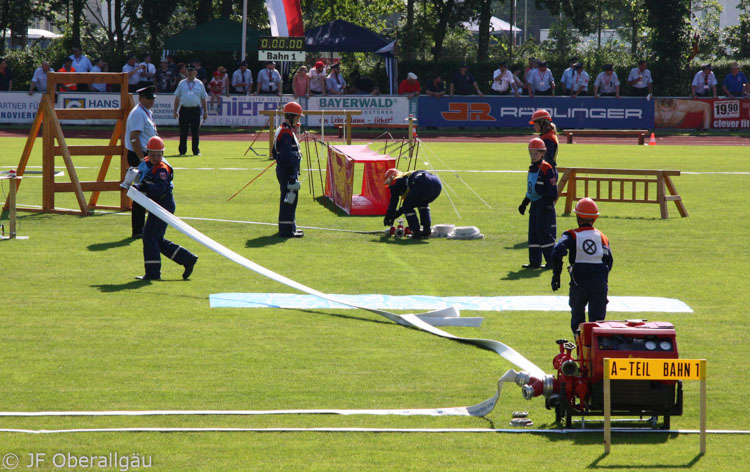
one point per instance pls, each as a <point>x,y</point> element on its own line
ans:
<point>79,333</point>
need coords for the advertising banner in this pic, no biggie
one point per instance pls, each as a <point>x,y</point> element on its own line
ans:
<point>512,112</point>
<point>376,109</point>
<point>685,113</point>
<point>18,107</point>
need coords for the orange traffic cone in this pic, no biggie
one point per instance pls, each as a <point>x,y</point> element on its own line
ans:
<point>652,141</point>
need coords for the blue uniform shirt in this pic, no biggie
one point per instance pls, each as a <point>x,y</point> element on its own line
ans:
<point>541,183</point>
<point>190,92</point>
<point>157,181</point>
<point>734,83</point>
<point>140,119</point>
<point>286,151</point>
<point>589,252</point>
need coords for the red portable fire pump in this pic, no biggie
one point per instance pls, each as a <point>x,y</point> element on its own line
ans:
<point>577,388</point>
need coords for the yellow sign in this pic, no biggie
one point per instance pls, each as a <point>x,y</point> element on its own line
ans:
<point>656,369</point>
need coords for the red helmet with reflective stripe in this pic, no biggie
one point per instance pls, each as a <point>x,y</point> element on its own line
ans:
<point>390,175</point>
<point>155,144</point>
<point>540,115</point>
<point>587,208</point>
<point>537,144</point>
<point>293,107</point>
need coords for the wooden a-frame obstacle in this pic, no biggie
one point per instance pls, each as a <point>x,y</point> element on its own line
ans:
<point>48,119</point>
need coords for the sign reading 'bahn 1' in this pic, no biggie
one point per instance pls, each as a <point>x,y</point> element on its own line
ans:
<point>272,48</point>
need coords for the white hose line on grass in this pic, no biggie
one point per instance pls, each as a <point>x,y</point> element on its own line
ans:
<point>410,320</point>
<point>368,430</point>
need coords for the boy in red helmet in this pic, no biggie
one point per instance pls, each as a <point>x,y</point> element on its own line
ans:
<point>590,262</point>
<point>156,183</point>
<point>542,121</point>
<point>287,154</point>
<point>541,192</point>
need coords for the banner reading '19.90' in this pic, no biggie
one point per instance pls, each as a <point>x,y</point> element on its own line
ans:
<point>512,112</point>
<point>732,113</point>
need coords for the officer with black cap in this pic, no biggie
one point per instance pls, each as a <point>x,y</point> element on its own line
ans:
<point>189,98</point>
<point>242,79</point>
<point>139,128</point>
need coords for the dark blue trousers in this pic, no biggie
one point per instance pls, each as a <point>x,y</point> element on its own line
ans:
<point>587,291</point>
<point>287,211</point>
<point>189,120</point>
<point>425,190</point>
<point>542,231</point>
<point>154,243</point>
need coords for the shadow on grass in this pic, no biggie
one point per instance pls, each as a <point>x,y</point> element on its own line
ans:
<point>399,241</point>
<point>263,241</point>
<point>521,245</point>
<point>345,317</point>
<point>596,464</point>
<point>525,274</point>
<point>111,245</point>
<point>132,285</point>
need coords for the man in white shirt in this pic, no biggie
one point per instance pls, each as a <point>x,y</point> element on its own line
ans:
<point>567,76</point>
<point>134,73</point>
<point>269,80</point>
<point>580,81</point>
<point>502,80</point>
<point>318,79</point>
<point>81,63</point>
<point>541,81</point>
<point>607,84</point>
<point>335,82</point>
<point>704,82</point>
<point>97,67</point>
<point>39,80</point>
<point>242,79</point>
<point>640,79</point>
<point>189,100</point>
<point>148,71</point>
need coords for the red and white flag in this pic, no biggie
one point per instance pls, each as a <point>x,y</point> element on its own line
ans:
<point>286,17</point>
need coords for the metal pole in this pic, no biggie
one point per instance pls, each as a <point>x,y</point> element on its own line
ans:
<point>244,31</point>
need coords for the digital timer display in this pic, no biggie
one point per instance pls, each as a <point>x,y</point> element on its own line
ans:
<point>271,43</point>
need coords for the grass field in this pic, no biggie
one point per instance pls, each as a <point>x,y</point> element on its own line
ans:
<point>79,333</point>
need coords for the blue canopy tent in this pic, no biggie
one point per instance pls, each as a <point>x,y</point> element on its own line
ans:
<point>342,36</point>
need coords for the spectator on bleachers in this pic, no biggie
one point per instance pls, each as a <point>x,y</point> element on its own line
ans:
<point>148,72</point>
<point>67,67</point>
<point>409,86</point>
<point>335,82</point>
<point>39,80</point>
<point>567,76</point>
<point>704,83</point>
<point>540,81</point>
<point>640,80</point>
<point>301,83</point>
<point>580,81</point>
<point>502,80</point>
<point>463,82</point>
<point>134,73</point>
<point>98,67</point>
<point>164,78</point>
<point>242,80</point>
<point>520,86</point>
<point>361,85</point>
<point>435,87</point>
<point>607,84</point>
<point>735,83</point>
<point>318,79</point>
<point>81,63</point>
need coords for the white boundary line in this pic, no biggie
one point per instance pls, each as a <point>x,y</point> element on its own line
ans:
<point>366,430</point>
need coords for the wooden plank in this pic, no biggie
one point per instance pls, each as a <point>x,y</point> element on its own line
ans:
<point>125,202</point>
<point>89,114</point>
<point>107,159</point>
<point>48,159</point>
<point>86,77</point>
<point>68,162</point>
<point>81,150</point>
<point>572,183</point>
<point>675,196</point>
<point>609,171</point>
<point>660,196</point>
<point>88,186</point>
<point>569,137</point>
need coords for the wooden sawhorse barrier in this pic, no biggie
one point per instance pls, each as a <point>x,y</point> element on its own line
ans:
<point>621,186</point>
<point>48,119</point>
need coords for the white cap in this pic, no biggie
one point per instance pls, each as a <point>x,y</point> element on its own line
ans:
<point>411,75</point>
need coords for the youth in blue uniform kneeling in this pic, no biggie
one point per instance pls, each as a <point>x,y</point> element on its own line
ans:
<point>541,192</point>
<point>416,189</point>
<point>590,263</point>
<point>156,183</point>
<point>287,154</point>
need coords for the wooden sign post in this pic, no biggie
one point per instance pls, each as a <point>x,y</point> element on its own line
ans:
<point>653,369</point>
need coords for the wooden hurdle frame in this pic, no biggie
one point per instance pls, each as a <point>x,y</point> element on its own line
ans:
<point>271,114</point>
<point>48,119</point>
<point>661,179</point>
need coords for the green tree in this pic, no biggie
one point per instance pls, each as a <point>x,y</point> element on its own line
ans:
<point>706,28</point>
<point>738,36</point>
<point>669,42</point>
